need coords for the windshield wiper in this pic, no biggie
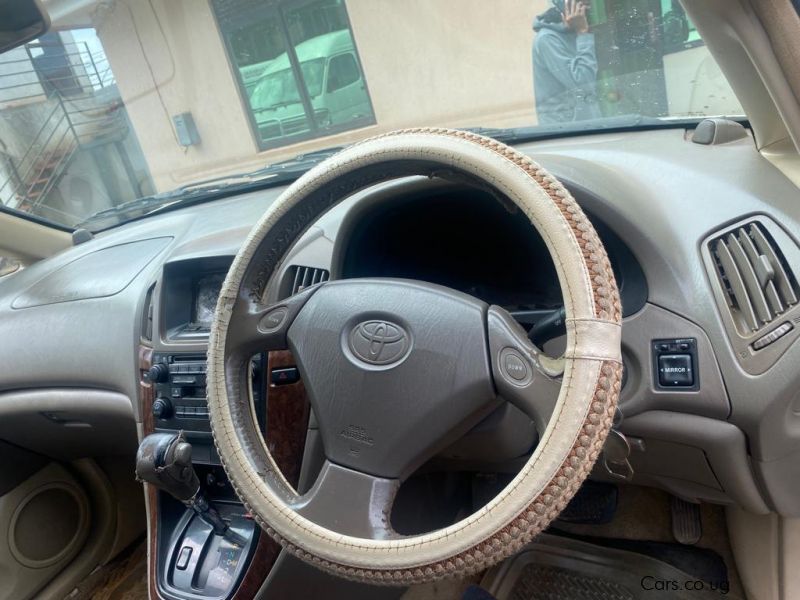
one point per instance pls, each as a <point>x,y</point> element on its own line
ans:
<point>289,170</point>
<point>208,189</point>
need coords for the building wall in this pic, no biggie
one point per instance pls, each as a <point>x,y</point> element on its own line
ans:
<point>168,62</point>
<point>444,63</point>
<point>482,78</point>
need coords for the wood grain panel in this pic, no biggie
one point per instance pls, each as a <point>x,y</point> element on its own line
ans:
<point>287,424</point>
<point>146,397</point>
<point>287,419</point>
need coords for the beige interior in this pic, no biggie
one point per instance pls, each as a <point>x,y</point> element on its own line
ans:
<point>28,241</point>
<point>756,45</point>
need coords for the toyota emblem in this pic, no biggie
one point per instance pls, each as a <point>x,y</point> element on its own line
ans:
<point>379,342</point>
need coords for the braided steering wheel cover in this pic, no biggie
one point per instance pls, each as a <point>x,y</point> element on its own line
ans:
<point>581,419</point>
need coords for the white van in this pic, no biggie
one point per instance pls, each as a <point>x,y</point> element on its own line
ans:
<point>334,81</point>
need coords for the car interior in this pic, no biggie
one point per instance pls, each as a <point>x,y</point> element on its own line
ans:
<point>418,359</point>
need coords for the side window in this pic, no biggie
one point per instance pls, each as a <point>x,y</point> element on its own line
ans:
<point>342,71</point>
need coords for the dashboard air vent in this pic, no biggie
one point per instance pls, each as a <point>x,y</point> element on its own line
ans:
<point>147,317</point>
<point>302,277</point>
<point>756,279</point>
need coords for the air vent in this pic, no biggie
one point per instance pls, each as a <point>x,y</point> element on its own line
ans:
<point>147,317</point>
<point>757,282</point>
<point>302,277</point>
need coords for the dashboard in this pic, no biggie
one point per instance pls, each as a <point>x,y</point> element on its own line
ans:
<point>660,203</point>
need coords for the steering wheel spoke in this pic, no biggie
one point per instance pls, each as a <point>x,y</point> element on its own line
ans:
<point>350,502</point>
<point>523,374</point>
<point>263,329</point>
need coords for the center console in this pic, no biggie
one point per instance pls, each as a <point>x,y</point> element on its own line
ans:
<point>180,388</point>
<point>193,561</point>
<point>190,559</point>
<point>196,560</point>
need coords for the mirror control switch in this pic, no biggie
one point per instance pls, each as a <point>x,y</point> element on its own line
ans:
<point>675,370</point>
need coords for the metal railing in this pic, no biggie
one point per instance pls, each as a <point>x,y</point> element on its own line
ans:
<point>46,68</point>
<point>75,82</point>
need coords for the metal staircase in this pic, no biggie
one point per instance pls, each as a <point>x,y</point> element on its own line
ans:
<point>86,113</point>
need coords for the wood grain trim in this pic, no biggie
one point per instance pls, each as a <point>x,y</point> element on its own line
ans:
<point>287,419</point>
<point>287,423</point>
<point>146,397</point>
<point>264,557</point>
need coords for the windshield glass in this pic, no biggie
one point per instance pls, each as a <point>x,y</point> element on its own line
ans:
<point>127,105</point>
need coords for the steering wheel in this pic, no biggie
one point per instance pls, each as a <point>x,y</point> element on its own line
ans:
<point>396,370</point>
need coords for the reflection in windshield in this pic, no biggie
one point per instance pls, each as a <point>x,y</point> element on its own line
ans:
<point>151,96</point>
<point>278,89</point>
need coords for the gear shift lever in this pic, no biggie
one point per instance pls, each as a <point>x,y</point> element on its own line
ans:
<point>165,461</point>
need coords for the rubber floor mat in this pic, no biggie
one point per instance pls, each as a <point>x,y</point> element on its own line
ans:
<point>556,568</point>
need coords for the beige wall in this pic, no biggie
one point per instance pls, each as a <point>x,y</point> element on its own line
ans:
<point>190,73</point>
<point>440,62</point>
<point>426,62</point>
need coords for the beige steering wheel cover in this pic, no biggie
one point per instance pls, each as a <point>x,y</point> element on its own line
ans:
<point>583,413</point>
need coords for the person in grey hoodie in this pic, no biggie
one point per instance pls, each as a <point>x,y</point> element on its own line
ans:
<point>564,65</point>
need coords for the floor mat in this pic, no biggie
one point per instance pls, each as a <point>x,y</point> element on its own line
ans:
<point>644,514</point>
<point>124,578</point>
<point>701,563</point>
<point>557,568</point>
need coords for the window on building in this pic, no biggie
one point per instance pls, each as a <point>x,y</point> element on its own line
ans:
<point>298,67</point>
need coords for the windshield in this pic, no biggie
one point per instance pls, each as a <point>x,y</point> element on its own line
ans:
<point>126,106</point>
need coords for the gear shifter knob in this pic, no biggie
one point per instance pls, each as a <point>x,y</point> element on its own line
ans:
<point>165,461</point>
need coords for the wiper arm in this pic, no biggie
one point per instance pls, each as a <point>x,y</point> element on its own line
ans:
<point>299,164</point>
<point>132,206</point>
<point>280,172</point>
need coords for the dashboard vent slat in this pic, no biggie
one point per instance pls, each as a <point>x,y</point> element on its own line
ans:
<point>147,317</point>
<point>298,280</point>
<point>737,295</point>
<point>754,276</point>
<point>782,281</point>
<point>748,273</point>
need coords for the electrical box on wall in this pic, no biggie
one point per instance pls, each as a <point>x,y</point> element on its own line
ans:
<point>186,129</point>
